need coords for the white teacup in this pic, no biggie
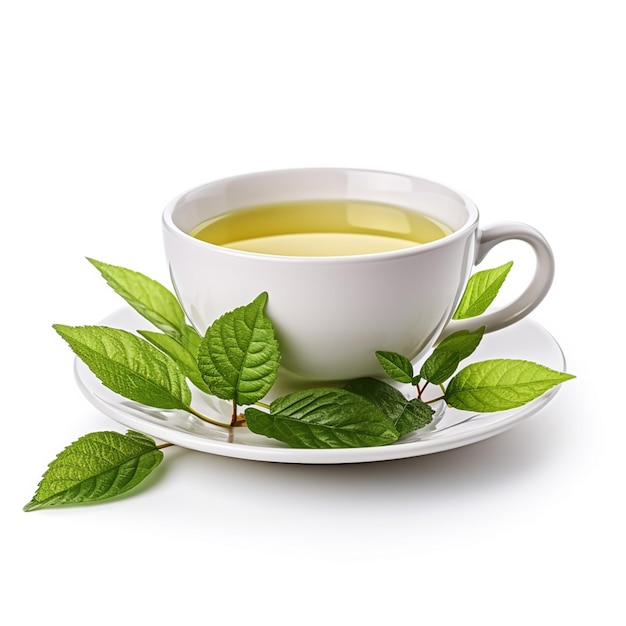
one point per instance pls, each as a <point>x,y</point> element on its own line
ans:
<point>332,313</point>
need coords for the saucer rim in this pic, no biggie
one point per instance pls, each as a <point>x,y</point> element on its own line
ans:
<point>456,435</point>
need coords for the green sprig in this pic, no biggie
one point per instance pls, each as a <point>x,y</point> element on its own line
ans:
<point>238,360</point>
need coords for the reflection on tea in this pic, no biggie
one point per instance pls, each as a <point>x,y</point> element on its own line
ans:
<point>320,228</point>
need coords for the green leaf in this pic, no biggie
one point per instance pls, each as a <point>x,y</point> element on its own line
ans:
<point>96,467</point>
<point>439,366</point>
<point>501,384</point>
<point>397,366</point>
<point>481,290</point>
<point>187,361</point>
<point>239,357</point>
<point>445,358</point>
<point>323,418</point>
<point>406,415</point>
<point>463,342</point>
<point>148,297</point>
<point>191,341</point>
<point>129,365</point>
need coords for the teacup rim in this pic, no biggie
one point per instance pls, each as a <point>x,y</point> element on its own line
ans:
<point>470,224</point>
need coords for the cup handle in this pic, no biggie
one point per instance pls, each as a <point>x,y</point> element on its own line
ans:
<point>533,294</point>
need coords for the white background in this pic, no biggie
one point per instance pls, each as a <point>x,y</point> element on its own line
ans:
<point>109,109</point>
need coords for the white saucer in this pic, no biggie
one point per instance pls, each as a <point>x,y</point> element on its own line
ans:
<point>450,428</point>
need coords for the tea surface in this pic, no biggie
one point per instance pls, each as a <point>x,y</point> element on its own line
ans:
<point>320,228</point>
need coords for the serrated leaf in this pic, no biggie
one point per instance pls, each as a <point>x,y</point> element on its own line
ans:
<point>96,467</point>
<point>445,358</point>
<point>439,366</point>
<point>481,290</point>
<point>397,366</point>
<point>187,361</point>
<point>406,415</point>
<point>148,297</point>
<point>323,418</point>
<point>129,365</point>
<point>500,384</point>
<point>238,357</point>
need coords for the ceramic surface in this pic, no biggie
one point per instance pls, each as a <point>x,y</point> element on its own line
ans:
<point>333,313</point>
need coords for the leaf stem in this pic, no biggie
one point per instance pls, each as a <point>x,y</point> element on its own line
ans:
<point>434,400</point>
<point>164,445</point>
<point>421,391</point>
<point>204,418</point>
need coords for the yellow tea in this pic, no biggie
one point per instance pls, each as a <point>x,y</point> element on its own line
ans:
<point>320,228</point>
